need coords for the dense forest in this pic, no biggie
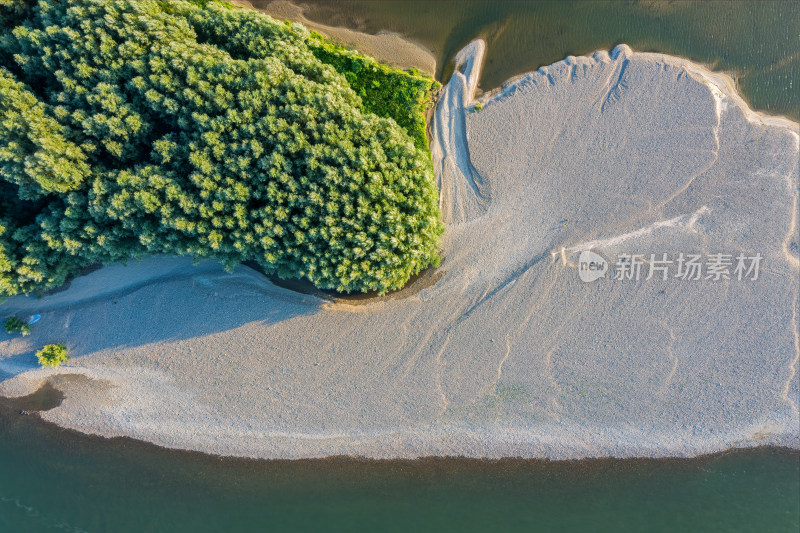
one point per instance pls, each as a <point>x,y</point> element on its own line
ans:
<point>130,128</point>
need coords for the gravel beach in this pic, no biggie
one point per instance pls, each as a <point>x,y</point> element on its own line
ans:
<point>505,350</point>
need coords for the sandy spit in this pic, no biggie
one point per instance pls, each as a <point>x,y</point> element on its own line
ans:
<point>387,47</point>
<point>509,353</point>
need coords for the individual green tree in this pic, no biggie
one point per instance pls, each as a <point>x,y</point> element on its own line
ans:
<point>15,325</point>
<point>34,153</point>
<point>52,355</point>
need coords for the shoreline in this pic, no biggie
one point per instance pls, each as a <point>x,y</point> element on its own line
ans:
<point>468,195</point>
<point>390,48</point>
<point>188,489</point>
<point>48,397</point>
<point>722,80</point>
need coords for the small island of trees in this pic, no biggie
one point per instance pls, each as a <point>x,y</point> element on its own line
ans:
<point>131,128</point>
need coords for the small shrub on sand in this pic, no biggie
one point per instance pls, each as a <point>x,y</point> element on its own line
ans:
<point>14,325</point>
<point>52,355</point>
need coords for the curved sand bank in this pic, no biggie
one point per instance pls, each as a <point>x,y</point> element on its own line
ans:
<point>509,353</point>
<point>387,47</point>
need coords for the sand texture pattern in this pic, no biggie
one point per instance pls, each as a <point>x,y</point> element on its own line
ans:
<point>503,351</point>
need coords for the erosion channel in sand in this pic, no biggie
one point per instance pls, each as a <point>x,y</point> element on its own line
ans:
<point>508,353</point>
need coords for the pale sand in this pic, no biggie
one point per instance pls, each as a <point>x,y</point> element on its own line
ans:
<point>387,47</point>
<point>508,353</point>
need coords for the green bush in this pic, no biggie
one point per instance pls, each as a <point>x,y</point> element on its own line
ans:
<point>388,92</point>
<point>130,128</point>
<point>401,95</point>
<point>14,325</point>
<point>52,355</point>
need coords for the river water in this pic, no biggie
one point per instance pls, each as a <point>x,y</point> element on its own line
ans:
<point>758,43</point>
<point>55,480</point>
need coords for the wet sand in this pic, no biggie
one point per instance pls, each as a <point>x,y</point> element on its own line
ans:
<point>387,47</point>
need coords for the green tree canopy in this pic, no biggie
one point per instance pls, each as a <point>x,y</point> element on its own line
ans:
<point>130,128</point>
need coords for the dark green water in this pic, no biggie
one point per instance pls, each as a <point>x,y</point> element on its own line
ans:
<point>757,42</point>
<point>55,480</point>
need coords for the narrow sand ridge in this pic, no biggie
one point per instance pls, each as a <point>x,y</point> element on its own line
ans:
<point>509,353</point>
